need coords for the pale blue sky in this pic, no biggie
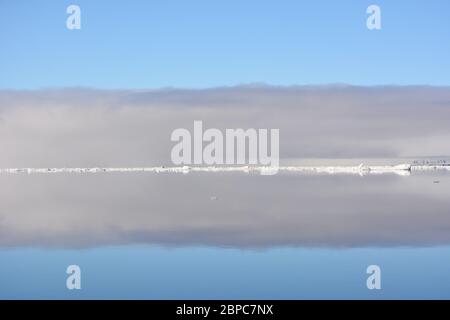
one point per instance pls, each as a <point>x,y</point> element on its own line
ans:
<point>152,44</point>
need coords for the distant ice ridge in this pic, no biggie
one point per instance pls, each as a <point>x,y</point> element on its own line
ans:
<point>400,169</point>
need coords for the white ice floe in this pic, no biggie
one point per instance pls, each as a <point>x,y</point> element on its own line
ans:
<point>400,169</point>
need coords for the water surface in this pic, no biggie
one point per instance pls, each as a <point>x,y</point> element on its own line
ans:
<point>225,235</point>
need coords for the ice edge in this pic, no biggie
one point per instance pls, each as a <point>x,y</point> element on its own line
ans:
<point>400,169</point>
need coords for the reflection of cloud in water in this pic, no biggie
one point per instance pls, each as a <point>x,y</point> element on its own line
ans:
<point>249,211</point>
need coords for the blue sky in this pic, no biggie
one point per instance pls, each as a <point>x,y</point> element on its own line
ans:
<point>152,44</point>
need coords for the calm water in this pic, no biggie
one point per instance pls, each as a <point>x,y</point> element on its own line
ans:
<point>225,235</point>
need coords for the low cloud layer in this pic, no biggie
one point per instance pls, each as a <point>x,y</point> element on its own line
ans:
<point>85,127</point>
